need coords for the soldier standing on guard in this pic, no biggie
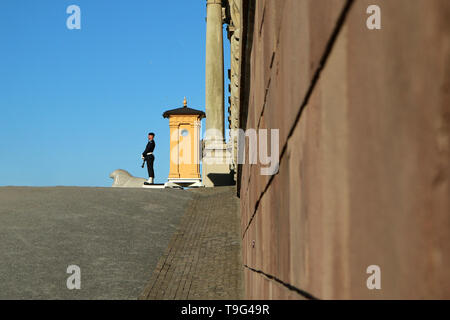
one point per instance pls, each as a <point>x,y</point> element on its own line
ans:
<point>150,158</point>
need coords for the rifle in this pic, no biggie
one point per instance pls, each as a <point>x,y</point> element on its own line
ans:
<point>143,163</point>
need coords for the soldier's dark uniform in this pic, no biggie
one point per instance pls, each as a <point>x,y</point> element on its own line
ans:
<point>149,157</point>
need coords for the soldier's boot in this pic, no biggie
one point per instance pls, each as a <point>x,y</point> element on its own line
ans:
<point>149,181</point>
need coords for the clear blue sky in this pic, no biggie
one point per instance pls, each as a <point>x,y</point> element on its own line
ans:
<point>77,104</point>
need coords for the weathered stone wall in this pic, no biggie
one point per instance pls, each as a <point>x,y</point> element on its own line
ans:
<point>364,141</point>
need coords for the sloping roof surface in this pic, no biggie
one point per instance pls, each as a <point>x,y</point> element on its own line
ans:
<point>184,111</point>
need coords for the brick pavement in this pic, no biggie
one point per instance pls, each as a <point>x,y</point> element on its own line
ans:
<point>203,259</point>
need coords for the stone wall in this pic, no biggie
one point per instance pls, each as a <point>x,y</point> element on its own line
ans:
<point>364,149</point>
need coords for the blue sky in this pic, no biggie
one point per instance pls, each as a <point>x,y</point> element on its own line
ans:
<point>77,104</point>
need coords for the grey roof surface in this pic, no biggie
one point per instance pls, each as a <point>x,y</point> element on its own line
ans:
<point>184,111</point>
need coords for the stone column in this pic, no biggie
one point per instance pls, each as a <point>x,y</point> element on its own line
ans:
<point>214,72</point>
<point>234,35</point>
<point>216,164</point>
